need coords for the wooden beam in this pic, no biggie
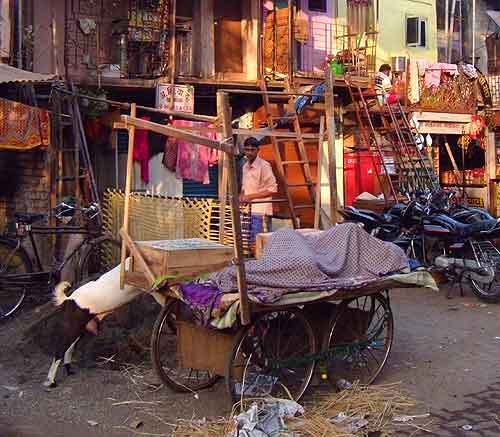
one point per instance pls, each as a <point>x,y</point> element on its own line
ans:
<point>174,132</point>
<point>224,115</point>
<point>317,206</point>
<point>330,126</point>
<point>128,189</point>
<point>136,253</point>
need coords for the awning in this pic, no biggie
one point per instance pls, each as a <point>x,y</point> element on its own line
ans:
<point>495,16</point>
<point>13,74</point>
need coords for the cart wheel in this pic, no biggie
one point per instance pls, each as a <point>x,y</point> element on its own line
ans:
<point>360,340</point>
<point>272,357</point>
<point>164,352</point>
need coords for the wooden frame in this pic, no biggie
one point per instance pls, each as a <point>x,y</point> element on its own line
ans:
<point>227,147</point>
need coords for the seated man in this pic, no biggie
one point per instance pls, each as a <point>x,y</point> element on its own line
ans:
<point>383,85</point>
<point>258,184</point>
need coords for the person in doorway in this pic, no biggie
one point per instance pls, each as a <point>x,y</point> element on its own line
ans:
<point>383,85</point>
<point>258,184</point>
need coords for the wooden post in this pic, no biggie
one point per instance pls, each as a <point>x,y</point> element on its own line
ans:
<point>223,182</point>
<point>225,119</point>
<point>317,206</point>
<point>128,189</point>
<point>330,127</point>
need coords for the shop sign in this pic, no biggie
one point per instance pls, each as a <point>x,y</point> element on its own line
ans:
<point>183,97</point>
<point>484,86</point>
<point>477,202</point>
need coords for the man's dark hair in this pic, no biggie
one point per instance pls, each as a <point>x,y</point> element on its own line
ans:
<point>251,142</point>
<point>384,67</point>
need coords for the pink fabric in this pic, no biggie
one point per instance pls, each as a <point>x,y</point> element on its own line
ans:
<point>193,160</point>
<point>433,73</point>
<point>141,151</point>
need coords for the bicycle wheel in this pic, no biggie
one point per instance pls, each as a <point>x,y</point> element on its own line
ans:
<point>274,357</point>
<point>13,260</point>
<point>164,352</point>
<point>359,341</point>
<point>102,255</point>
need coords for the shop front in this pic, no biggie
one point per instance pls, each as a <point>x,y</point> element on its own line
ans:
<point>461,149</point>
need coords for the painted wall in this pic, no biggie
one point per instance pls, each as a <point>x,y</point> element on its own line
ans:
<point>392,28</point>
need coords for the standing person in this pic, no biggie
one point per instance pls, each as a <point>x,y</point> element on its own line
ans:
<point>258,184</point>
<point>383,85</point>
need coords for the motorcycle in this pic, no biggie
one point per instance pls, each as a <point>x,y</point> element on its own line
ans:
<point>458,250</point>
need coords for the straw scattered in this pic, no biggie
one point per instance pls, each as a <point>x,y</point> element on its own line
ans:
<point>378,404</point>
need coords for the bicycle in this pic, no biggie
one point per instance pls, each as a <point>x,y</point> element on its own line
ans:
<point>95,254</point>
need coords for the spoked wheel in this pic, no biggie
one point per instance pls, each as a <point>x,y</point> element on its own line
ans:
<point>13,260</point>
<point>488,257</point>
<point>274,356</point>
<point>359,341</point>
<point>102,255</point>
<point>164,352</point>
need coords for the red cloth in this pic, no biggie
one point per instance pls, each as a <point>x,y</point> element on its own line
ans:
<point>141,151</point>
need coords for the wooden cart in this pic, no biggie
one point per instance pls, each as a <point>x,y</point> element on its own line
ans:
<point>268,350</point>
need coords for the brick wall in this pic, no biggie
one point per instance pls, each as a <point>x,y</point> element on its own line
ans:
<point>24,184</point>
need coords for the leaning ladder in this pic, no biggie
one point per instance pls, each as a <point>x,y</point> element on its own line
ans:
<point>303,162</point>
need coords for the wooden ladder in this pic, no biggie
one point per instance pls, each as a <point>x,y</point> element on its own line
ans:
<point>291,117</point>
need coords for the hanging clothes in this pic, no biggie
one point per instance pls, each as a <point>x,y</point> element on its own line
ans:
<point>23,127</point>
<point>141,151</point>
<point>170,154</point>
<point>193,160</point>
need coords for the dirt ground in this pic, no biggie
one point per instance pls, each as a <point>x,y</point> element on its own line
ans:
<point>445,353</point>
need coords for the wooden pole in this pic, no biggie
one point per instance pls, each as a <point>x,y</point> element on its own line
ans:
<point>447,25</point>
<point>224,167</point>
<point>128,189</point>
<point>450,35</point>
<point>330,126</point>
<point>224,116</point>
<point>317,206</point>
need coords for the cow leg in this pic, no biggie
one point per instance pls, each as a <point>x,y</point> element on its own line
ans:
<point>68,357</point>
<point>51,376</point>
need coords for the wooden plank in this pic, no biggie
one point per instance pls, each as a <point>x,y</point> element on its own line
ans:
<point>172,56</point>
<point>136,253</point>
<point>174,132</point>
<point>207,38</point>
<point>330,126</point>
<point>442,117</point>
<point>456,170</point>
<point>224,165</point>
<point>128,189</point>
<point>317,206</point>
<point>224,116</point>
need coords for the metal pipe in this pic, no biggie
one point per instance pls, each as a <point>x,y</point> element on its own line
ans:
<point>20,34</point>
<point>474,32</point>
<point>447,25</point>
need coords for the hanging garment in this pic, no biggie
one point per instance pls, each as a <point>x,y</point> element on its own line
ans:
<point>414,90</point>
<point>433,73</point>
<point>141,150</point>
<point>170,154</point>
<point>193,160</point>
<point>22,126</point>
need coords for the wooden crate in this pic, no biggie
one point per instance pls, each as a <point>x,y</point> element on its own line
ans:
<point>182,258</point>
<point>202,348</point>
<point>262,239</point>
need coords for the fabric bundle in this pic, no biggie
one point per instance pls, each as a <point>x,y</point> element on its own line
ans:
<point>344,256</point>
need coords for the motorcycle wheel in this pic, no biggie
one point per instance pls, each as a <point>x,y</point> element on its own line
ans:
<point>487,254</point>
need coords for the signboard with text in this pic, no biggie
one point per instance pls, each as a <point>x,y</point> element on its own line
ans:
<point>183,97</point>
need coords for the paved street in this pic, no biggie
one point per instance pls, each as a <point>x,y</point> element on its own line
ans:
<point>445,353</point>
